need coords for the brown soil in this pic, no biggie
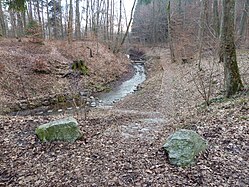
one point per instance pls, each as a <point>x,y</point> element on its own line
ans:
<point>122,145</point>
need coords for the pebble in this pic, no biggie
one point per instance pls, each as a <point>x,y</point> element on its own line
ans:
<point>93,104</point>
<point>60,110</point>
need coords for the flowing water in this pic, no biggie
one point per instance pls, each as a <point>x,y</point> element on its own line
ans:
<point>105,99</point>
<point>127,87</point>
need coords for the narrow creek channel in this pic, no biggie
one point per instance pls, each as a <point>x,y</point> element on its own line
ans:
<point>126,88</point>
<point>104,99</point>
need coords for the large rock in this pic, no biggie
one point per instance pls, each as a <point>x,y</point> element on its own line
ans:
<point>183,146</point>
<point>66,129</point>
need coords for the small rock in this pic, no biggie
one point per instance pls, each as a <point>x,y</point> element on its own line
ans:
<point>93,104</point>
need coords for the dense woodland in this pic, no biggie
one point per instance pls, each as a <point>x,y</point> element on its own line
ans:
<point>186,62</point>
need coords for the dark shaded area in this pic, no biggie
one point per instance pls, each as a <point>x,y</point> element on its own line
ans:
<point>136,54</point>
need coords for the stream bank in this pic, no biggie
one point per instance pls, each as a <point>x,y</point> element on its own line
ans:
<point>65,103</point>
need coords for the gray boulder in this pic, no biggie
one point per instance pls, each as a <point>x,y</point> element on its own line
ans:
<point>66,129</point>
<point>183,146</point>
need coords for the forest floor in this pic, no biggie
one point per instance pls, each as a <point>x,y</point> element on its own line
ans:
<point>122,145</point>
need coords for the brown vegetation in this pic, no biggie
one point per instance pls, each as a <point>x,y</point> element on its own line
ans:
<point>33,70</point>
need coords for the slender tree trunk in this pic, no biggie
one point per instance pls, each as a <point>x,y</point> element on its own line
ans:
<point>203,22</point>
<point>153,23</point>
<point>48,20</point>
<point>107,20</point>
<point>2,21</point>
<point>112,20</point>
<point>30,11</point>
<point>39,17</point>
<point>43,22</point>
<point>171,46</point>
<point>61,22</point>
<point>87,18</point>
<point>128,27</point>
<point>216,19</point>
<point>70,22</point>
<point>66,20</point>
<point>119,27</point>
<point>55,19</point>
<point>13,24</point>
<point>77,21</point>
<point>20,30</point>
<point>244,18</point>
<point>233,81</point>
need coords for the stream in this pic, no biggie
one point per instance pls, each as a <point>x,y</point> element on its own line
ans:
<point>104,99</point>
<point>126,88</point>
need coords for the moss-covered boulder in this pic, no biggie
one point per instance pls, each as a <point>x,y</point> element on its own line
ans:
<point>183,146</point>
<point>66,129</point>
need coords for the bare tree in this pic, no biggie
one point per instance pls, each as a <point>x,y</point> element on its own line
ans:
<point>216,19</point>
<point>203,23</point>
<point>171,46</point>
<point>87,18</point>
<point>127,29</point>
<point>2,21</point>
<point>48,21</point>
<point>70,22</point>
<point>244,18</point>
<point>77,20</point>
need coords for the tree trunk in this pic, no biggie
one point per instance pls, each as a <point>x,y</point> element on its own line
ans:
<point>119,27</point>
<point>87,17</point>
<point>39,17</point>
<point>61,21</point>
<point>48,20</point>
<point>55,19</point>
<point>77,21</point>
<point>244,18</point>
<point>216,19</point>
<point>2,22</point>
<point>30,11</point>
<point>127,29</point>
<point>232,78</point>
<point>20,31</point>
<point>203,19</point>
<point>107,20</point>
<point>13,23</point>
<point>43,21</point>
<point>70,22</point>
<point>171,46</point>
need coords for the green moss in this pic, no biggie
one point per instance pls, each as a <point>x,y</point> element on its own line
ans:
<point>102,88</point>
<point>61,99</point>
<point>243,117</point>
<point>80,66</point>
<point>60,130</point>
